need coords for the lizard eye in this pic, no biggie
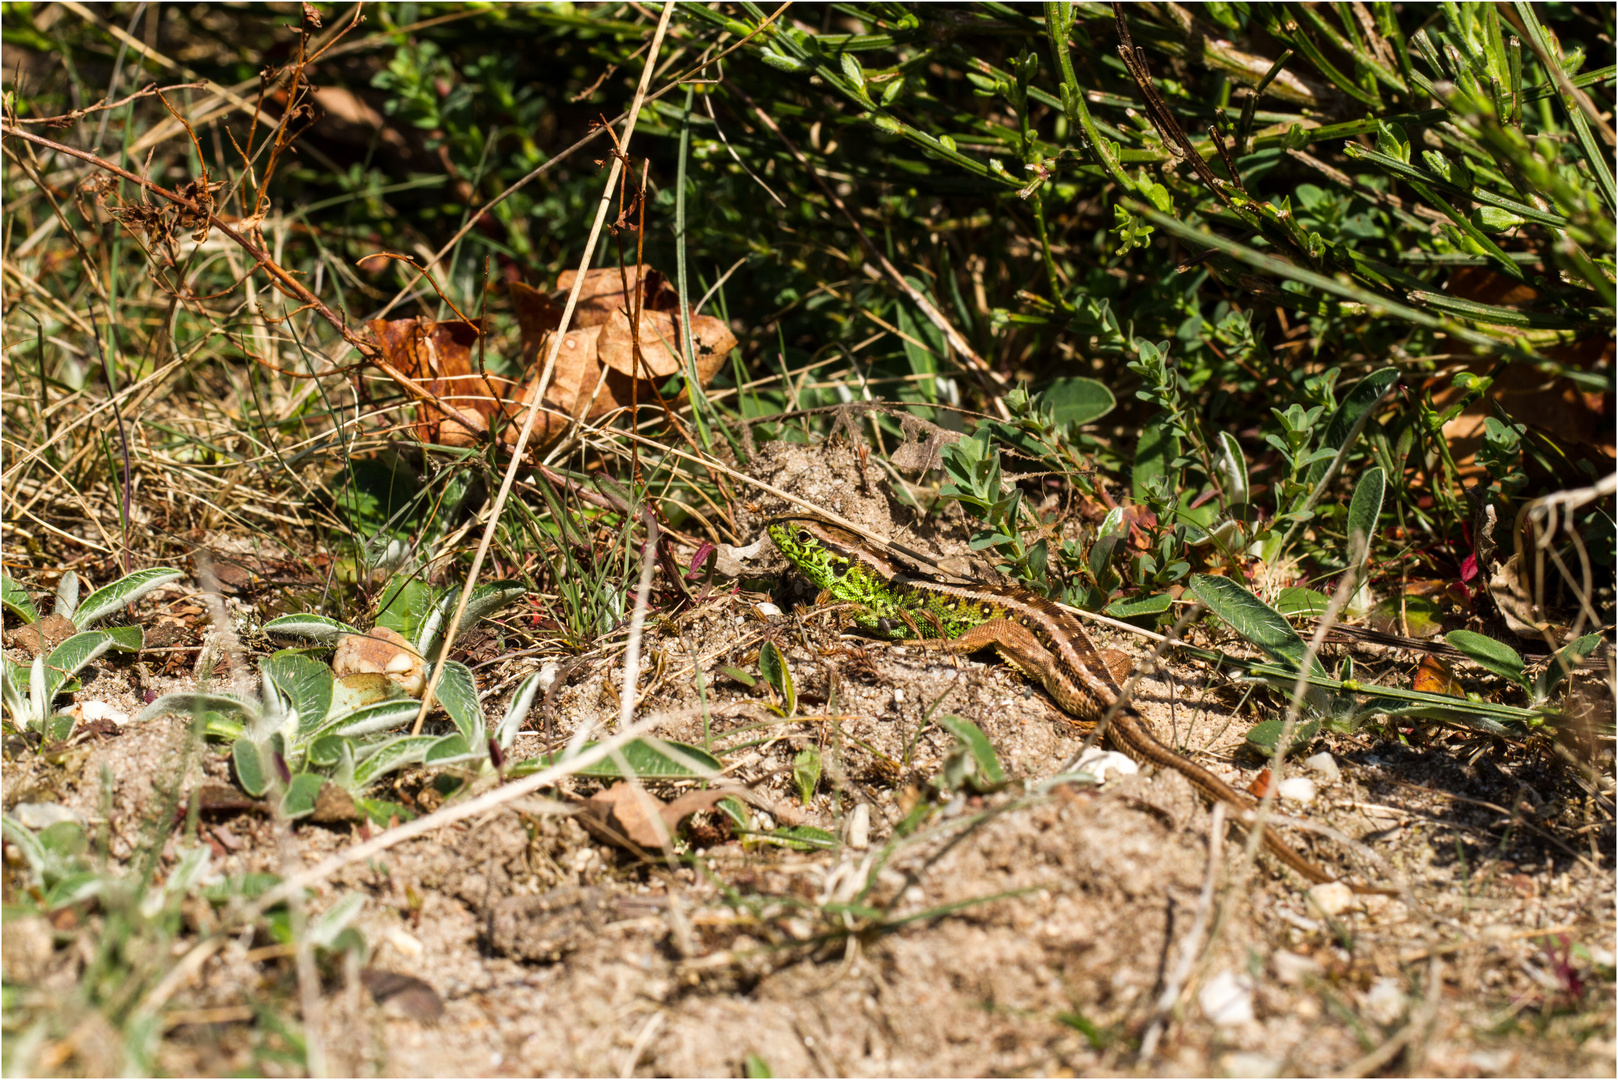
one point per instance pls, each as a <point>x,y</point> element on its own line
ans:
<point>804,537</point>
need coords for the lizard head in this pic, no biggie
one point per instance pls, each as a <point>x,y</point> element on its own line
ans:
<point>834,559</point>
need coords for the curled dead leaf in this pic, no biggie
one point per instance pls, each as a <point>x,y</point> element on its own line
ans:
<point>597,368</point>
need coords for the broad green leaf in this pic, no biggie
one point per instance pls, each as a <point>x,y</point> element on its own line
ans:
<point>801,838</point>
<point>1457,712</point>
<point>1301,603</point>
<point>1264,735</point>
<point>977,744</point>
<point>1364,509</point>
<point>27,843</point>
<point>379,497</point>
<point>121,593</point>
<point>310,628</point>
<point>517,712</point>
<point>306,683</point>
<point>327,751</point>
<point>1232,465</point>
<point>323,932</point>
<point>458,694</point>
<point>81,648</point>
<point>75,888</point>
<point>67,596</point>
<point>1135,606</point>
<point>382,716</point>
<point>1487,653</point>
<point>1154,450</point>
<point>772,664</point>
<point>1254,620</point>
<point>405,605</point>
<point>381,810</point>
<point>350,693</point>
<point>1078,400</point>
<point>1355,403</point>
<point>248,886</point>
<point>447,749</point>
<point>393,754</point>
<point>806,773</point>
<point>195,704</point>
<point>681,762</point>
<point>253,767</point>
<point>1565,660</point>
<point>299,800</point>
<point>14,690</point>
<point>486,599</point>
<point>15,600</point>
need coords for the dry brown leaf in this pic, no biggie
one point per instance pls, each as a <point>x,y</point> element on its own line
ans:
<point>439,357</point>
<point>1434,676</point>
<point>627,811</point>
<point>603,293</point>
<point>595,366</point>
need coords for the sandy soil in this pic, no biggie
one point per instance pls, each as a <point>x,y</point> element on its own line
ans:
<point>1017,932</point>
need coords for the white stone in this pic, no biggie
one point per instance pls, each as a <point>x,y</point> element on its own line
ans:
<point>91,711</point>
<point>767,609</point>
<point>1098,763</point>
<point>42,815</point>
<point>1246,1064</point>
<point>1331,898</point>
<point>1384,1002</point>
<point>407,943</point>
<point>1290,968</point>
<point>1298,789</point>
<point>547,675</point>
<point>1227,999</point>
<point>1324,766</point>
<point>858,830</point>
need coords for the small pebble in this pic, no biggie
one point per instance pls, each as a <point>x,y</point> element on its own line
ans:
<point>1227,999</point>
<point>1098,763</point>
<point>1324,765</point>
<point>858,830</point>
<point>41,815</point>
<point>1384,1002</point>
<point>1290,968</point>
<point>768,610</point>
<point>91,711</point>
<point>1298,789</point>
<point>407,943</point>
<point>1331,898</point>
<point>1242,1063</point>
